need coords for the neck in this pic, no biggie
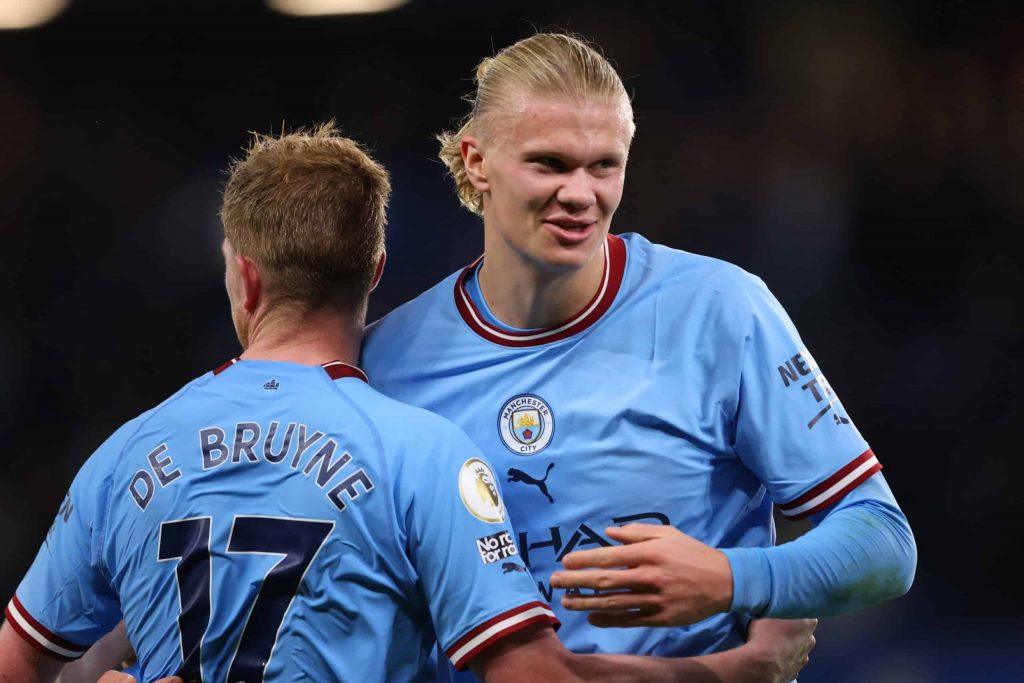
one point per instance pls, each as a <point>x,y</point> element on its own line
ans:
<point>308,337</point>
<point>521,295</point>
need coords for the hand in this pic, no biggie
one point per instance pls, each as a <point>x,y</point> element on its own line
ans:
<point>119,677</point>
<point>660,577</point>
<point>780,647</point>
<point>116,677</point>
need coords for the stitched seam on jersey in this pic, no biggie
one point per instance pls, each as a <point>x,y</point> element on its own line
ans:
<point>385,470</point>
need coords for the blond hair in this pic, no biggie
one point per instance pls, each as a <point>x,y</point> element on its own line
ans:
<point>309,207</point>
<point>551,64</point>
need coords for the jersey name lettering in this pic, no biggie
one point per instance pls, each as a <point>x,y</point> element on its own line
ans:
<point>311,451</point>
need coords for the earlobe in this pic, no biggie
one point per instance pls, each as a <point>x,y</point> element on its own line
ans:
<point>473,160</point>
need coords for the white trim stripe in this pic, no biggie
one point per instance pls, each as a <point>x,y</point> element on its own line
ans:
<point>496,629</point>
<point>825,495</point>
<point>497,332</point>
<point>24,622</point>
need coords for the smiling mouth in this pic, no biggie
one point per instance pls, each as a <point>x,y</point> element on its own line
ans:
<point>570,227</point>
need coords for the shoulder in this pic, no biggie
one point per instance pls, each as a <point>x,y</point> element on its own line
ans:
<point>423,306</point>
<point>95,477</point>
<point>685,274</point>
<point>405,428</point>
<point>108,455</point>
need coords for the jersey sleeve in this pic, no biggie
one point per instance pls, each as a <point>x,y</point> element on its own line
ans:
<point>462,546</point>
<point>791,429</point>
<point>65,602</point>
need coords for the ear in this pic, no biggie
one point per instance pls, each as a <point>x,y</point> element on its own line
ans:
<point>380,269</point>
<point>252,284</point>
<point>473,160</point>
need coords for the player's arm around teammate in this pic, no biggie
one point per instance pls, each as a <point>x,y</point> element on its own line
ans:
<point>536,654</point>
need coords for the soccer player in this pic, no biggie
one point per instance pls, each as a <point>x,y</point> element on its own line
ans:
<point>630,393</point>
<point>277,518</point>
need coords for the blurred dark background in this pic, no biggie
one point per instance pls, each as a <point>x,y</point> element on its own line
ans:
<point>866,159</point>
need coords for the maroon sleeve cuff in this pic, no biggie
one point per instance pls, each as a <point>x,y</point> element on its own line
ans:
<point>40,637</point>
<point>494,629</point>
<point>832,490</point>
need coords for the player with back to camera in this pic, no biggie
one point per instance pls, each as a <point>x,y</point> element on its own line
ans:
<point>277,518</point>
<point>630,393</point>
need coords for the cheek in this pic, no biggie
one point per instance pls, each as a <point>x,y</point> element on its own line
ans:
<point>610,194</point>
<point>523,192</point>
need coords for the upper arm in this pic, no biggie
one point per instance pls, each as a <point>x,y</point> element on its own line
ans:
<point>65,602</point>
<point>535,649</point>
<point>791,429</point>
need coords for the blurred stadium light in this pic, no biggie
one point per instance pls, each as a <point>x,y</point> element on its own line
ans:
<point>312,8</point>
<point>29,13</point>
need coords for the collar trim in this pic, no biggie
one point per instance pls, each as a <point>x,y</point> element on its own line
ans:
<point>335,369</point>
<point>614,268</point>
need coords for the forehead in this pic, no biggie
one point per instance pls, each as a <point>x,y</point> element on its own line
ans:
<point>574,127</point>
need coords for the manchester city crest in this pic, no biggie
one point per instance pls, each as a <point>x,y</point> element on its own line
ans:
<point>526,424</point>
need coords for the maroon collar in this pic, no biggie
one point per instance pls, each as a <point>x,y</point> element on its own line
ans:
<point>338,370</point>
<point>335,369</point>
<point>221,368</point>
<point>614,268</point>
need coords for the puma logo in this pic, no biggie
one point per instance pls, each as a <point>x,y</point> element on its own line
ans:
<point>519,475</point>
<point>509,567</point>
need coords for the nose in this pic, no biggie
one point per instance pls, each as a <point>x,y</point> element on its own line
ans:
<point>577,191</point>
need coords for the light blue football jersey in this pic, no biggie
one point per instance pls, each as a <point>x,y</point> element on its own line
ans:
<point>280,522</point>
<point>681,394</point>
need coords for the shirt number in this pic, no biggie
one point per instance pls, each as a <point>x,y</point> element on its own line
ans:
<point>297,541</point>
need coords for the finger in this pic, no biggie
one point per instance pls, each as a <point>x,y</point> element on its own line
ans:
<point>612,602</point>
<point>612,556</point>
<point>116,677</point>
<point>600,579</point>
<point>625,619</point>
<point>637,532</point>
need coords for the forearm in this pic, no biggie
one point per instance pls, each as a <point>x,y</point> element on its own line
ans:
<point>861,553</point>
<point>734,666</point>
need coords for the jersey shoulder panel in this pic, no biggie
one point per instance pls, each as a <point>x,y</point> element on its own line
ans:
<point>406,430</point>
<point>401,324</point>
<point>675,268</point>
<point>723,297</point>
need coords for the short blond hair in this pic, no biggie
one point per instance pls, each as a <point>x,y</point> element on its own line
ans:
<point>309,207</point>
<point>551,64</point>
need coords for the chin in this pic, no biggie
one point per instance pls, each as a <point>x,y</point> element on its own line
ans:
<point>565,259</point>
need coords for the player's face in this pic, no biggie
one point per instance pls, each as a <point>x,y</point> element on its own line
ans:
<point>554,170</point>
